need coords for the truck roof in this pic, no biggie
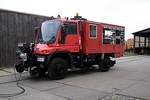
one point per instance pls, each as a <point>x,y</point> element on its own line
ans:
<point>106,24</point>
<point>94,22</point>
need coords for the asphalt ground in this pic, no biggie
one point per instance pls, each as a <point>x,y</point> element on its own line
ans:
<point>129,79</point>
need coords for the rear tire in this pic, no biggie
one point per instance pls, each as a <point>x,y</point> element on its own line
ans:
<point>57,69</point>
<point>105,64</point>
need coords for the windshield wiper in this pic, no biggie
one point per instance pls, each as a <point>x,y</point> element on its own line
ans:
<point>39,41</point>
<point>52,40</point>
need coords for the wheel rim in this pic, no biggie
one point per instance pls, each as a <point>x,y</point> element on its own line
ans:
<point>35,72</point>
<point>59,69</point>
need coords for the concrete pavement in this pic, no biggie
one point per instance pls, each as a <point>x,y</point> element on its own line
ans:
<point>129,79</point>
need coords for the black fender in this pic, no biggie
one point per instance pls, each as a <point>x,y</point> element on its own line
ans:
<point>50,57</point>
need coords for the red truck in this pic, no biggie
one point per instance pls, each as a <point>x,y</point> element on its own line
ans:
<point>62,44</point>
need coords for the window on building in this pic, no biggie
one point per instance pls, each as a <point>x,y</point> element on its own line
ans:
<point>147,42</point>
<point>137,41</point>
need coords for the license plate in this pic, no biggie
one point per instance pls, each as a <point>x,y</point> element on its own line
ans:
<point>40,59</point>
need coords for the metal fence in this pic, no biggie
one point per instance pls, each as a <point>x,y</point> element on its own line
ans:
<point>16,27</point>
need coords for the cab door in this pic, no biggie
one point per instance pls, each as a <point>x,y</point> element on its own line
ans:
<point>72,37</point>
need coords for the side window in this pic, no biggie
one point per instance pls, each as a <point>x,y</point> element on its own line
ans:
<point>113,35</point>
<point>93,31</point>
<point>72,28</point>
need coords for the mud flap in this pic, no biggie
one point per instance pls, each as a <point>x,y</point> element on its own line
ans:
<point>113,62</point>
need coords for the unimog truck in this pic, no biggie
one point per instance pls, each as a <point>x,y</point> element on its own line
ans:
<point>69,43</point>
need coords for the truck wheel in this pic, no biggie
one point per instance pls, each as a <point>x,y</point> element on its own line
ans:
<point>37,72</point>
<point>57,68</point>
<point>105,64</point>
<point>34,72</point>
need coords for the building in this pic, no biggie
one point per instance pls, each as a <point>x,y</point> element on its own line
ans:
<point>142,41</point>
<point>16,27</point>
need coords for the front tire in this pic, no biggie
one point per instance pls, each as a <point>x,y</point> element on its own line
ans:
<point>57,69</point>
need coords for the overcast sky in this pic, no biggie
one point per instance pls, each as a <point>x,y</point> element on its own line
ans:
<point>133,14</point>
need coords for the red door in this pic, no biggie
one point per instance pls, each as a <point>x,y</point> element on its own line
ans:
<point>72,38</point>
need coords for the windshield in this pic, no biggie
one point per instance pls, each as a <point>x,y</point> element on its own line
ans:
<point>49,30</point>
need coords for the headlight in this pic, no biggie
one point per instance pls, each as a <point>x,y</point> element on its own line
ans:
<point>40,59</point>
<point>23,56</point>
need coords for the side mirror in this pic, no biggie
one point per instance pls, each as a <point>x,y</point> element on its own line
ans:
<point>62,29</point>
<point>36,30</point>
<point>80,27</point>
<point>63,33</point>
<point>65,28</point>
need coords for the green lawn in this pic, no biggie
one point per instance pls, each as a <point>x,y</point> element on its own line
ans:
<point>130,54</point>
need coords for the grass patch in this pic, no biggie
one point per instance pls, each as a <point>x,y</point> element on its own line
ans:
<point>130,54</point>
